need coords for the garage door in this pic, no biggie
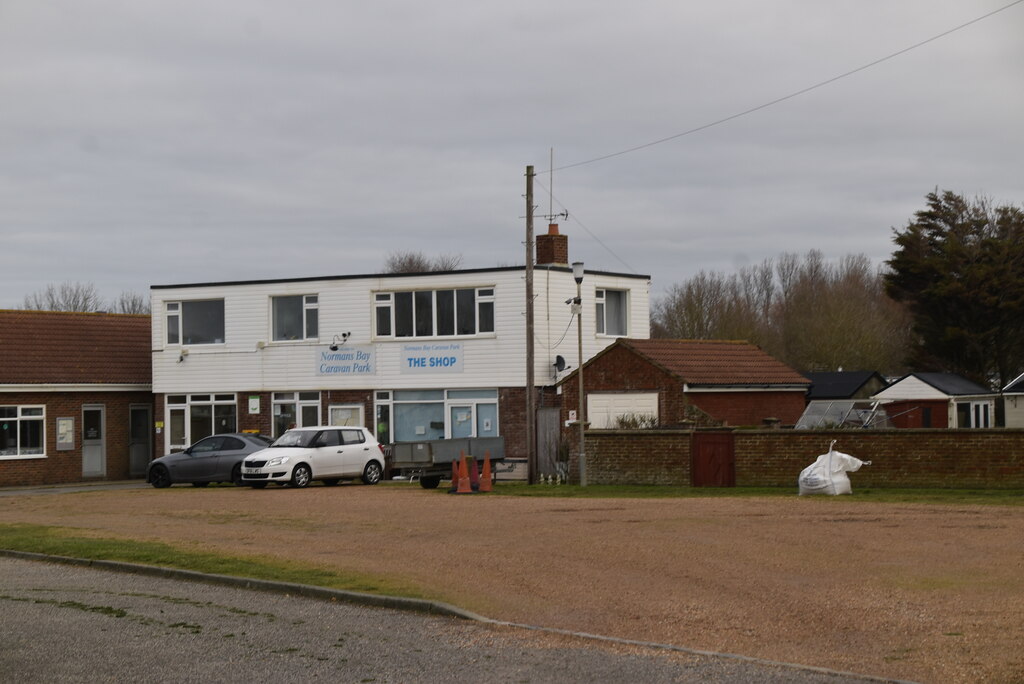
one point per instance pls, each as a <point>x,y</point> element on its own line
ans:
<point>603,410</point>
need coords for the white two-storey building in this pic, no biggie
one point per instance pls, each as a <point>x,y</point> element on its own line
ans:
<point>413,357</point>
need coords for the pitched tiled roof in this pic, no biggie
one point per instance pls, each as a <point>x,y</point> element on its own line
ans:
<point>717,362</point>
<point>51,347</point>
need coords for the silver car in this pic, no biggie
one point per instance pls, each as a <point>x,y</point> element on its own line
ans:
<point>327,453</point>
<point>211,459</point>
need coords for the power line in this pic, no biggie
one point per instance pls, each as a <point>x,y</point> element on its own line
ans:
<point>584,227</point>
<point>791,95</point>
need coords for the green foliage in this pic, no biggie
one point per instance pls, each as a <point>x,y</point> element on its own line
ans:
<point>68,542</point>
<point>957,497</point>
<point>959,266</point>
<point>636,421</point>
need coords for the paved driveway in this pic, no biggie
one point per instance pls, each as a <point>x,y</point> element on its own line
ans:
<point>76,624</point>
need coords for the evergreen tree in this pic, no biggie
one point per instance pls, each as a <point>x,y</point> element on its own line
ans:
<point>959,266</point>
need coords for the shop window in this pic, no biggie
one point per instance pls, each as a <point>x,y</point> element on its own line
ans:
<point>295,409</point>
<point>22,433</point>
<point>191,417</point>
<point>295,317</point>
<point>421,415</point>
<point>434,313</point>
<point>195,322</point>
<point>610,314</point>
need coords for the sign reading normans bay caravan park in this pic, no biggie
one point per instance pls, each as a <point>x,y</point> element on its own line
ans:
<point>432,357</point>
<point>345,361</point>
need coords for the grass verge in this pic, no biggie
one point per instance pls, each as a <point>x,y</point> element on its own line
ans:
<point>59,541</point>
<point>995,497</point>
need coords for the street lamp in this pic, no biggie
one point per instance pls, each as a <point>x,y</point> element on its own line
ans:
<point>577,274</point>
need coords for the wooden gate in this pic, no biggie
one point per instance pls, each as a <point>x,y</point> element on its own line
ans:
<point>713,459</point>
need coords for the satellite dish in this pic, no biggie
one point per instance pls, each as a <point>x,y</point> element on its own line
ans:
<point>559,363</point>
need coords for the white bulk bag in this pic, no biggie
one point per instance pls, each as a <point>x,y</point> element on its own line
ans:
<point>827,475</point>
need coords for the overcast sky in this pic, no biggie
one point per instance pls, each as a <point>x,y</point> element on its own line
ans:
<point>164,142</point>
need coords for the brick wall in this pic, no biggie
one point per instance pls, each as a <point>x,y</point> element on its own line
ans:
<point>66,466</point>
<point>619,369</point>
<point>982,459</point>
<point>750,408</point>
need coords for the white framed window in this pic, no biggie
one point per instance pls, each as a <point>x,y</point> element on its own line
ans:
<point>420,415</point>
<point>195,322</point>
<point>345,415</point>
<point>610,312</point>
<point>191,417</point>
<point>22,432</point>
<point>974,414</point>
<point>295,317</point>
<point>295,409</point>
<point>456,312</point>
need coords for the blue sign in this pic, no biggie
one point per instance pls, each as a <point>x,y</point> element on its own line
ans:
<point>345,361</point>
<point>432,357</point>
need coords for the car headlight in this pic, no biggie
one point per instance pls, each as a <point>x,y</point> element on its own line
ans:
<point>277,460</point>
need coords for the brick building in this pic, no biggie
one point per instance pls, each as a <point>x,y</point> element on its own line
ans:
<point>687,382</point>
<point>75,397</point>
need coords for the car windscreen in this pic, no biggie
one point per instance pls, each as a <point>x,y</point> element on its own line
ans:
<point>295,438</point>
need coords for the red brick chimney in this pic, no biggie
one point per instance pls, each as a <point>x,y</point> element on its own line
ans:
<point>552,248</point>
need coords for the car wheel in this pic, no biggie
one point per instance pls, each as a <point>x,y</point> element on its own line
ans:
<point>236,475</point>
<point>200,484</point>
<point>301,476</point>
<point>430,482</point>
<point>332,481</point>
<point>258,485</point>
<point>372,473</point>
<point>160,478</point>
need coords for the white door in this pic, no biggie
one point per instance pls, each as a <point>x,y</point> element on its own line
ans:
<point>94,444</point>
<point>604,410</point>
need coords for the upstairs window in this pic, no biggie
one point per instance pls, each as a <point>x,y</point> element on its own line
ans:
<point>434,313</point>
<point>295,318</point>
<point>610,315</point>
<point>195,322</point>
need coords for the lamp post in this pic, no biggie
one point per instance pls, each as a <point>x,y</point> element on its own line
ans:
<point>577,274</point>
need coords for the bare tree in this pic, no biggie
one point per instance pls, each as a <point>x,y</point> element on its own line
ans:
<point>130,303</point>
<point>67,296</point>
<point>805,311</point>
<point>417,262</point>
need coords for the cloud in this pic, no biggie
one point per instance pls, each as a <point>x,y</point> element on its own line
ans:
<point>147,143</point>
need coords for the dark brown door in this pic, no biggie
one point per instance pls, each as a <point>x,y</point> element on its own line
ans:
<point>714,462</point>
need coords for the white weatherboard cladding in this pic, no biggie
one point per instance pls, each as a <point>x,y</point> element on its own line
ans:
<point>910,388</point>
<point>249,360</point>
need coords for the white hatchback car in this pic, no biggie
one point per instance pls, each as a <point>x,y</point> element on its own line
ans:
<point>327,453</point>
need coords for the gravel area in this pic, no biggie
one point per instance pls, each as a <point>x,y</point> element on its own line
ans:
<point>918,592</point>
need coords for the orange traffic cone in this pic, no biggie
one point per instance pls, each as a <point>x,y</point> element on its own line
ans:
<point>464,486</point>
<point>474,474</point>
<point>485,476</point>
<point>455,477</point>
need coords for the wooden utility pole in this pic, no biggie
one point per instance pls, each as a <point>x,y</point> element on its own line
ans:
<point>531,399</point>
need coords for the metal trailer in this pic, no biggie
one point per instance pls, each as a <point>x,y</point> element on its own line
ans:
<point>431,461</point>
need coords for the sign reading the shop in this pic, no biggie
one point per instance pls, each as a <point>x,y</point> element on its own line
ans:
<point>345,361</point>
<point>432,357</point>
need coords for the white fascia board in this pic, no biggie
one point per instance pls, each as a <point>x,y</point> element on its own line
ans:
<point>690,389</point>
<point>76,388</point>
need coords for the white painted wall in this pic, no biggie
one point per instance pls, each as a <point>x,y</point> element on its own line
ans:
<point>249,361</point>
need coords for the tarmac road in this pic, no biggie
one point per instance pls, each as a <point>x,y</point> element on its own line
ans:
<point>63,623</point>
